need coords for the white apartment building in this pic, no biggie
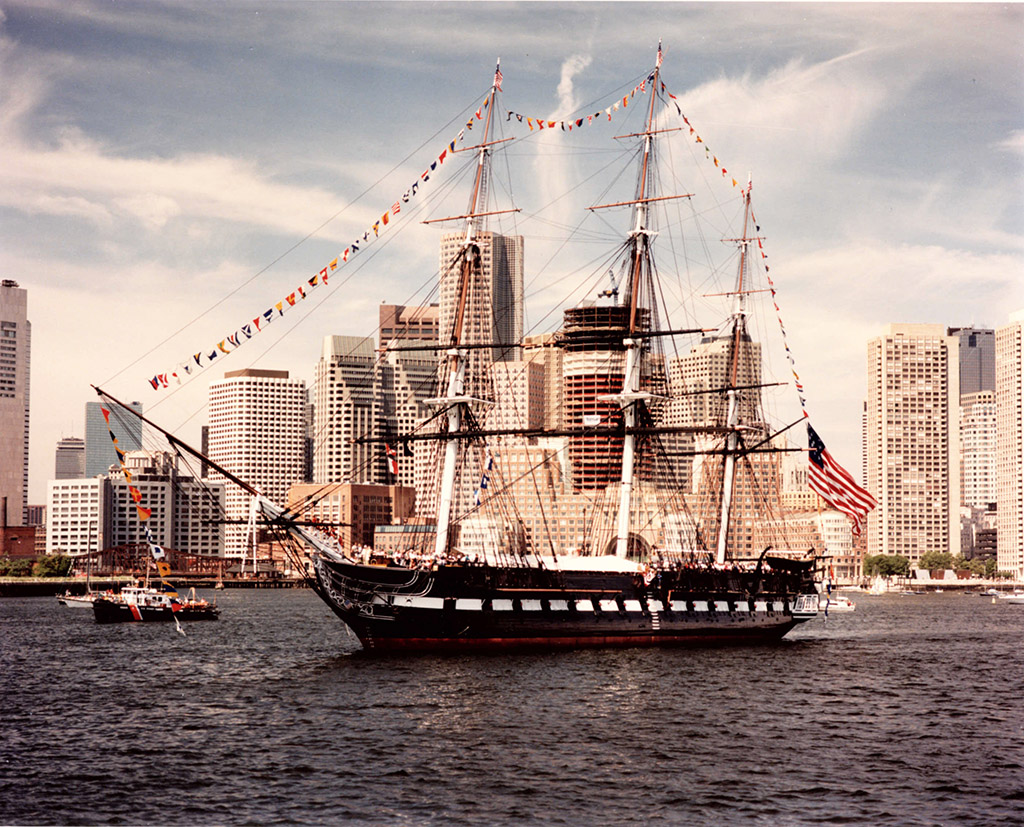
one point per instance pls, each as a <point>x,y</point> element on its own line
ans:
<point>913,441</point>
<point>978,445</point>
<point>1010,446</point>
<point>693,378</point>
<point>74,516</point>
<point>257,432</point>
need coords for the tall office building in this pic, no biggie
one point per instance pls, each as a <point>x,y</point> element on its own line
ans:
<point>492,314</point>
<point>397,321</point>
<point>100,456</point>
<point>1010,445</point>
<point>346,406</point>
<point>593,367</point>
<point>977,359</point>
<point>258,433</point>
<point>69,459</point>
<point>913,441</point>
<point>15,361</point>
<point>494,307</point>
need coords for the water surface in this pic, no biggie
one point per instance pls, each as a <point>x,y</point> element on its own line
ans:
<point>907,711</point>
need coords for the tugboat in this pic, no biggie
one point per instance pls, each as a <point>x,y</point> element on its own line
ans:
<point>134,604</point>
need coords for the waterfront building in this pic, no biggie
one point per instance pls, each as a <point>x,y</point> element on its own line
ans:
<point>100,455</point>
<point>90,514</point>
<point>1010,446</point>
<point>796,493</point>
<point>913,441</point>
<point>36,515</point>
<point>69,459</point>
<point>258,433</point>
<point>416,538</point>
<point>15,363</point>
<point>352,511</point>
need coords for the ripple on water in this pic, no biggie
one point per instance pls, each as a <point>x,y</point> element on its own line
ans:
<point>896,714</point>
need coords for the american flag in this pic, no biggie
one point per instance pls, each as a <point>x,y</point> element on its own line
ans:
<point>497,76</point>
<point>835,484</point>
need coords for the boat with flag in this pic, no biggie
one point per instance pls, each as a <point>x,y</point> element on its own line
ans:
<point>145,604</point>
<point>643,507</point>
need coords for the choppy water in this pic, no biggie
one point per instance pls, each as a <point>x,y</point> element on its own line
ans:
<point>908,711</point>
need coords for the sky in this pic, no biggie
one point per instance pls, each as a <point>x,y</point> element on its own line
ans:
<point>170,169</point>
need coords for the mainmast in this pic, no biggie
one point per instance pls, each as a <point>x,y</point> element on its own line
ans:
<point>455,398</point>
<point>739,334</point>
<point>631,395</point>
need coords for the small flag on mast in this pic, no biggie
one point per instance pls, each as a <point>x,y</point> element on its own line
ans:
<point>835,484</point>
<point>497,76</point>
<point>658,64</point>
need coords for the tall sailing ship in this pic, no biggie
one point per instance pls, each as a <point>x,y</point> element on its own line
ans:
<point>655,467</point>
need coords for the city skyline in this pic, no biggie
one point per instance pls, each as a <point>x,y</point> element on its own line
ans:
<point>155,176</point>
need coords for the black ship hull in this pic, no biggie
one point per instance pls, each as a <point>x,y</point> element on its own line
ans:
<point>110,611</point>
<point>481,608</point>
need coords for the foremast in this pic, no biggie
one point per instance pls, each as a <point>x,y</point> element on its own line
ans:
<point>631,396</point>
<point>738,335</point>
<point>455,400</point>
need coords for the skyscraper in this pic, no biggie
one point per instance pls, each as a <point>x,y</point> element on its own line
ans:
<point>69,459</point>
<point>913,442</point>
<point>977,359</point>
<point>99,450</point>
<point>492,313</point>
<point>346,406</point>
<point>258,433</point>
<point>15,361</point>
<point>494,308</point>
<point>1009,347</point>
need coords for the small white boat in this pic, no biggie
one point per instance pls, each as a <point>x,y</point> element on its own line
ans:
<point>835,603</point>
<point>1012,597</point>
<point>77,601</point>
